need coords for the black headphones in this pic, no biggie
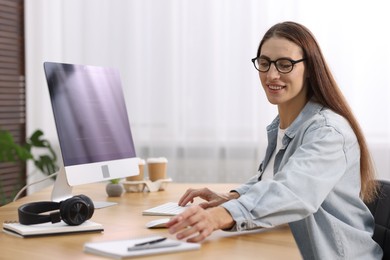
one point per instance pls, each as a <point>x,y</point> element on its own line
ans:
<point>73,211</point>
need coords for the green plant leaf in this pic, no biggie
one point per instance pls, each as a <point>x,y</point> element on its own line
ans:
<point>35,139</point>
<point>9,150</point>
<point>12,152</point>
<point>115,181</point>
<point>46,164</point>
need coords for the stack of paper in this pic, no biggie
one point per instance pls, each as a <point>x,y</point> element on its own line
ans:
<point>120,249</point>
<point>49,228</point>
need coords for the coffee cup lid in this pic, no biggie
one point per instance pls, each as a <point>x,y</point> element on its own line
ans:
<point>157,160</point>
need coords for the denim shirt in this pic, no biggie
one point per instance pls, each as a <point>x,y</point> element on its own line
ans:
<point>315,189</point>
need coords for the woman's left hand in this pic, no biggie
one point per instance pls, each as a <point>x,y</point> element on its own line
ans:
<point>197,224</point>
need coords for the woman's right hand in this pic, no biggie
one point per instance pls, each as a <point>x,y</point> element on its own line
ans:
<point>212,199</point>
<point>195,224</point>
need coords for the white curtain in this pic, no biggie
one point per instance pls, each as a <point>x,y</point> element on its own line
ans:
<point>192,93</point>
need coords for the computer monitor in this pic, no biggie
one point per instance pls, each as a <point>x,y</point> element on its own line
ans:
<point>92,126</point>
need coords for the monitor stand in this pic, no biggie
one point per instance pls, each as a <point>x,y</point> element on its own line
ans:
<point>62,191</point>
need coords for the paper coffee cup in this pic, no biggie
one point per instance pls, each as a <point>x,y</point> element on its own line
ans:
<point>140,176</point>
<point>157,168</point>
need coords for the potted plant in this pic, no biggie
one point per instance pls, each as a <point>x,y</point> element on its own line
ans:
<point>114,188</point>
<point>10,151</point>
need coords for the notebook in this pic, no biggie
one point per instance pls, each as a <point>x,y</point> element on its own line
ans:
<point>120,249</point>
<point>167,209</point>
<point>44,229</point>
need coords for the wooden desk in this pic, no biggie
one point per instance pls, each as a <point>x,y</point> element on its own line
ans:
<point>125,221</point>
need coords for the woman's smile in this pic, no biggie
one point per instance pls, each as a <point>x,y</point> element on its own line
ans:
<point>275,87</point>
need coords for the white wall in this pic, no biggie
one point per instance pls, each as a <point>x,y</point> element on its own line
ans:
<point>191,90</point>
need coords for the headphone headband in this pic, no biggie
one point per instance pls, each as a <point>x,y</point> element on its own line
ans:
<point>30,213</point>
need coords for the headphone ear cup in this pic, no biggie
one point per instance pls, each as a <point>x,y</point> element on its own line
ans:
<point>74,211</point>
<point>89,202</point>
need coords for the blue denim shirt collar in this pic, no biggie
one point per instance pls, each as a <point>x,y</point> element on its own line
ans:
<point>310,109</point>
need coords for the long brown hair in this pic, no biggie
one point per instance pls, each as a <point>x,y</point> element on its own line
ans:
<point>324,89</point>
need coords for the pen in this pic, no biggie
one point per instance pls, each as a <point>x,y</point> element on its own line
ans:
<point>154,241</point>
<point>153,244</point>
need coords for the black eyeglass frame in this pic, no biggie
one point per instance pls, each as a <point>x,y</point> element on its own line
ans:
<point>293,62</point>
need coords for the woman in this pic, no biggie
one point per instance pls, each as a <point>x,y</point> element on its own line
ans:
<point>317,170</point>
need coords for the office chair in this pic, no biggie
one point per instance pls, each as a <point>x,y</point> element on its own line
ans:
<point>380,209</point>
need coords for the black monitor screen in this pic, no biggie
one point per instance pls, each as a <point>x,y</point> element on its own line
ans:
<point>90,113</point>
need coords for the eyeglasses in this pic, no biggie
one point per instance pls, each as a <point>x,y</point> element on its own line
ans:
<point>283,65</point>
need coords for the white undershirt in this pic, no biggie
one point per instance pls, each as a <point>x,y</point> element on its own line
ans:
<point>269,170</point>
